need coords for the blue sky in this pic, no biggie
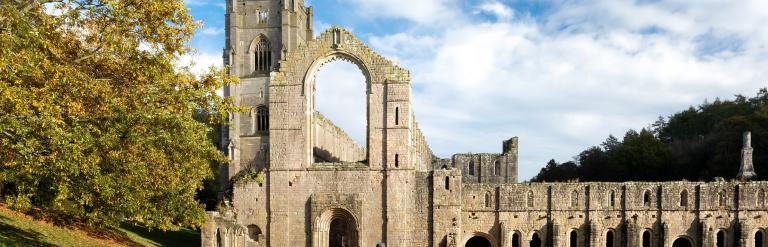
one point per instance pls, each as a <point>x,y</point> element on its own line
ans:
<point>560,74</point>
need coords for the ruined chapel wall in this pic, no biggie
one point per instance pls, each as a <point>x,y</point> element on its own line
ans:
<point>332,144</point>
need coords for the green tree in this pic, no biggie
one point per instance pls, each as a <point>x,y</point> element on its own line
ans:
<point>96,120</point>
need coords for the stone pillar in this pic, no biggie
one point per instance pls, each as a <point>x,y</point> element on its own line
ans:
<point>594,235</point>
<point>504,235</point>
<point>746,170</point>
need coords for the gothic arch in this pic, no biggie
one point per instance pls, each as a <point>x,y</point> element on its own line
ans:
<point>292,104</point>
<point>330,222</point>
<point>260,54</point>
<point>490,238</point>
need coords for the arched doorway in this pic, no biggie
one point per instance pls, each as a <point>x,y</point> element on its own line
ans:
<point>478,241</point>
<point>647,239</point>
<point>516,239</point>
<point>535,240</point>
<point>574,239</point>
<point>609,239</point>
<point>337,228</point>
<point>720,239</point>
<point>342,233</point>
<point>682,242</point>
<point>759,238</point>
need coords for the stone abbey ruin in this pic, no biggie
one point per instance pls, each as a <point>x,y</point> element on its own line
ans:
<point>319,188</point>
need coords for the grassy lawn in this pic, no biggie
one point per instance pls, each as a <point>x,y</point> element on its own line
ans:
<point>17,229</point>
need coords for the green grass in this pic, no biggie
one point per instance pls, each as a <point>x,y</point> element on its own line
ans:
<point>183,237</point>
<point>17,229</point>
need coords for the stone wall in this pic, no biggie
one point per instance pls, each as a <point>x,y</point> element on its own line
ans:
<point>332,144</point>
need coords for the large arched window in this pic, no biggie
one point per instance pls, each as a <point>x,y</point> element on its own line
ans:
<point>684,198</point>
<point>262,119</point>
<point>263,56</point>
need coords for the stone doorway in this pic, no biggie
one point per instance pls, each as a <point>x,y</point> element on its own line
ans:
<point>337,228</point>
<point>478,241</point>
<point>682,242</point>
<point>342,233</point>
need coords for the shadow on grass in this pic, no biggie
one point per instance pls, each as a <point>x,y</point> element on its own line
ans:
<point>12,236</point>
<point>183,237</point>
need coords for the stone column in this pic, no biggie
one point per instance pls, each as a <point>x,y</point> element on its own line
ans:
<point>746,170</point>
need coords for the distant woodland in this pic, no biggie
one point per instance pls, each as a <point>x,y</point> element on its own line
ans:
<point>697,144</point>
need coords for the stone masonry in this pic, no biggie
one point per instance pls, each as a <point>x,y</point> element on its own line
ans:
<point>317,187</point>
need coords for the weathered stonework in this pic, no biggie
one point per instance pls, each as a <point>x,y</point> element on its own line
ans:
<point>322,189</point>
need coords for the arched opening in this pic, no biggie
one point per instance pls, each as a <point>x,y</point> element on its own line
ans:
<point>219,240</point>
<point>487,199</point>
<point>609,238</point>
<point>761,198</point>
<point>496,168</point>
<point>574,239</point>
<point>478,241</point>
<point>339,99</point>
<point>530,199</point>
<point>574,199</point>
<point>535,240</point>
<point>516,239</point>
<point>337,228</point>
<point>260,120</point>
<point>471,167</point>
<point>447,183</point>
<point>682,242</point>
<point>647,239</point>
<point>721,198</point>
<point>612,199</point>
<point>262,55</point>
<point>647,198</point>
<point>684,198</point>
<point>254,232</point>
<point>759,238</point>
<point>720,238</point>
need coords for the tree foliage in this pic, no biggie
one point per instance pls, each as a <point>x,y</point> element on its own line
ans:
<point>699,143</point>
<point>96,120</point>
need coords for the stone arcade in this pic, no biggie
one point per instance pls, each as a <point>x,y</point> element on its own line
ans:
<point>321,189</point>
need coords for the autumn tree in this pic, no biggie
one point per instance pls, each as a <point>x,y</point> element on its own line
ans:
<point>96,117</point>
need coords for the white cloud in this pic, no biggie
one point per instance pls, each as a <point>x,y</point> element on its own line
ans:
<point>567,81</point>
<point>212,31</point>
<point>199,63</point>
<point>428,12</point>
<point>501,11</point>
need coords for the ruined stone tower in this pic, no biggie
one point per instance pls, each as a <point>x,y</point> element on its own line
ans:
<point>258,33</point>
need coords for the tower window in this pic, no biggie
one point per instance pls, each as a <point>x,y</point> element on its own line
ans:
<point>612,199</point>
<point>263,54</point>
<point>575,199</point>
<point>262,119</point>
<point>471,167</point>
<point>397,160</point>
<point>447,183</point>
<point>761,198</point>
<point>722,198</point>
<point>487,199</point>
<point>496,168</point>
<point>263,16</point>
<point>397,115</point>
<point>684,198</point>
<point>530,199</point>
<point>647,198</point>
